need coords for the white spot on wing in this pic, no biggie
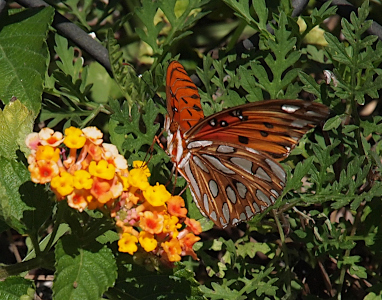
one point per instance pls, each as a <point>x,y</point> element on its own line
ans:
<point>225,209</point>
<point>235,221</point>
<point>290,108</point>
<point>224,224</point>
<point>199,163</point>
<point>252,150</point>
<point>213,216</point>
<point>205,203</point>
<point>192,180</point>
<point>217,164</point>
<point>249,212</point>
<point>276,169</point>
<point>262,174</point>
<point>263,197</point>
<point>243,163</point>
<point>231,194</point>
<point>257,208</point>
<point>300,123</point>
<point>198,144</point>
<point>225,149</point>
<point>313,114</point>
<point>242,189</point>
<point>213,188</point>
<point>242,216</point>
<point>274,192</point>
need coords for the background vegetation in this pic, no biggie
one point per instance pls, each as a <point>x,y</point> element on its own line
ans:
<point>329,247</point>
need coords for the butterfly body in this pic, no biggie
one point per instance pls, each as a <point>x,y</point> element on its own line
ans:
<point>231,159</point>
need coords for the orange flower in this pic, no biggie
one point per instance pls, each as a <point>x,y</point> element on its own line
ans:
<point>172,249</point>
<point>101,190</point>
<point>49,137</point>
<point>47,153</point>
<point>95,152</point>
<point>187,243</point>
<point>43,171</point>
<point>79,199</point>
<point>176,207</point>
<point>152,222</point>
<point>193,225</point>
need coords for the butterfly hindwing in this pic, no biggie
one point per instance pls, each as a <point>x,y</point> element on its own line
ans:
<point>232,183</point>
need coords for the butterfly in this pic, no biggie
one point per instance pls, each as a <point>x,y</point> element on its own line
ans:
<point>231,158</point>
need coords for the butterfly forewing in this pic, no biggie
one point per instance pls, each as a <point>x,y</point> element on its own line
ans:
<point>230,159</point>
<point>273,127</point>
<point>183,100</point>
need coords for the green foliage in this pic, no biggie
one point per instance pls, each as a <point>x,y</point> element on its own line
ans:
<point>83,272</point>
<point>326,225</point>
<point>23,35</point>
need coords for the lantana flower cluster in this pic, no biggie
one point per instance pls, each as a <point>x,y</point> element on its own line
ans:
<point>91,174</point>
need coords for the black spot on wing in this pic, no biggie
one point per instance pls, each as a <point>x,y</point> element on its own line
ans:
<point>243,139</point>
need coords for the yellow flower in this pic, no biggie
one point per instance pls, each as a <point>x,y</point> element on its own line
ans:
<point>138,164</point>
<point>125,182</point>
<point>138,179</point>
<point>128,243</point>
<point>171,225</point>
<point>147,241</point>
<point>47,153</point>
<point>103,170</point>
<point>63,184</point>
<point>156,195</point>
<point>74,138</point>
<point>82,180</point>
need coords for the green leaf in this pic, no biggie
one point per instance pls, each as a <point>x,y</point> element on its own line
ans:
<point>136,282</point>
<point>24,56</point>
<point>16,122</point>
<point>333,123</point>
<point>82,272</point>
<point>12,208</point>
<point>13,288</point>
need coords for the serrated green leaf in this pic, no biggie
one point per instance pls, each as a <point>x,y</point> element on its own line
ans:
<point>82,272</point>
<point>13,288</point>
<point>24,56</point>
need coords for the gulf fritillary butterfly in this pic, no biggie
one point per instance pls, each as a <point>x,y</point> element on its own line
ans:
<point>231,159</point>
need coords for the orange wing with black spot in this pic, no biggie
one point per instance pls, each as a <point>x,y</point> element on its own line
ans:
<point>183,100</point>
